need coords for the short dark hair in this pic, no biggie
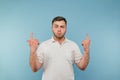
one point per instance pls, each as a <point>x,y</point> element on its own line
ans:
<point>59,18</point>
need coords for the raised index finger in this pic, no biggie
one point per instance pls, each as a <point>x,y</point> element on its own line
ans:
<point>31,35</point>
<point>87,36</point>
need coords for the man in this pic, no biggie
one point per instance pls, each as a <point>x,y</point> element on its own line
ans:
<point>58,54</point>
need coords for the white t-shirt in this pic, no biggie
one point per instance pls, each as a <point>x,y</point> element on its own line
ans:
<point>58,59</point>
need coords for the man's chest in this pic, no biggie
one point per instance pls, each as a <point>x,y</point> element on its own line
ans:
<point>59,53</point>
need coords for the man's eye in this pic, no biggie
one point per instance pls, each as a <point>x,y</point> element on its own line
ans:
<point>62,26</point>
<point>56,26</point>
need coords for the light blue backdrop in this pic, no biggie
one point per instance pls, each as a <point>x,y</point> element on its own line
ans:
<point>99,18</point>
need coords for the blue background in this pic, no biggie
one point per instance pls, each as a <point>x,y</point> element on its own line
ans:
<point>99,18</point>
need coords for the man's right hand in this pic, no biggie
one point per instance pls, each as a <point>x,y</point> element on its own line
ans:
<point>33,43</point>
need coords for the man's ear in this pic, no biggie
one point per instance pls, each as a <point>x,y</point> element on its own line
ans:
<point>52,28</point>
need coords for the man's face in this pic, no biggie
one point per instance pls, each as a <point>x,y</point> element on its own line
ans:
<point>59,29</point>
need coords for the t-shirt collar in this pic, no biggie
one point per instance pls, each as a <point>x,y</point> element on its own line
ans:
<point>53,40</point>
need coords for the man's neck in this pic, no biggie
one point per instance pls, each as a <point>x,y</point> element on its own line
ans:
<point>60,40</point>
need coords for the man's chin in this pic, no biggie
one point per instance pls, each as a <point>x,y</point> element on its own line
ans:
<point>59,37</point>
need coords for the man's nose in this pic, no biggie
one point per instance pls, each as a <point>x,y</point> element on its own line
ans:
<point>59,28</point>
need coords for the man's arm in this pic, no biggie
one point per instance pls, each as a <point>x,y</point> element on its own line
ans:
<point>85,59</point>
<point>34,62</point>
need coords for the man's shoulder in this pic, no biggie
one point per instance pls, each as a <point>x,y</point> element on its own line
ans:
<point>71,42</point>
<point>46,42</point>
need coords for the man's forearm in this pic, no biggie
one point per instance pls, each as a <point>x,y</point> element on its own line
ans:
<point>33,57</point>
<point>84,61</point>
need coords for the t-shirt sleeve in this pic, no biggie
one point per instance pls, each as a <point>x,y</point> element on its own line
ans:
<point>40,51</point>
<point>78,55</point>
